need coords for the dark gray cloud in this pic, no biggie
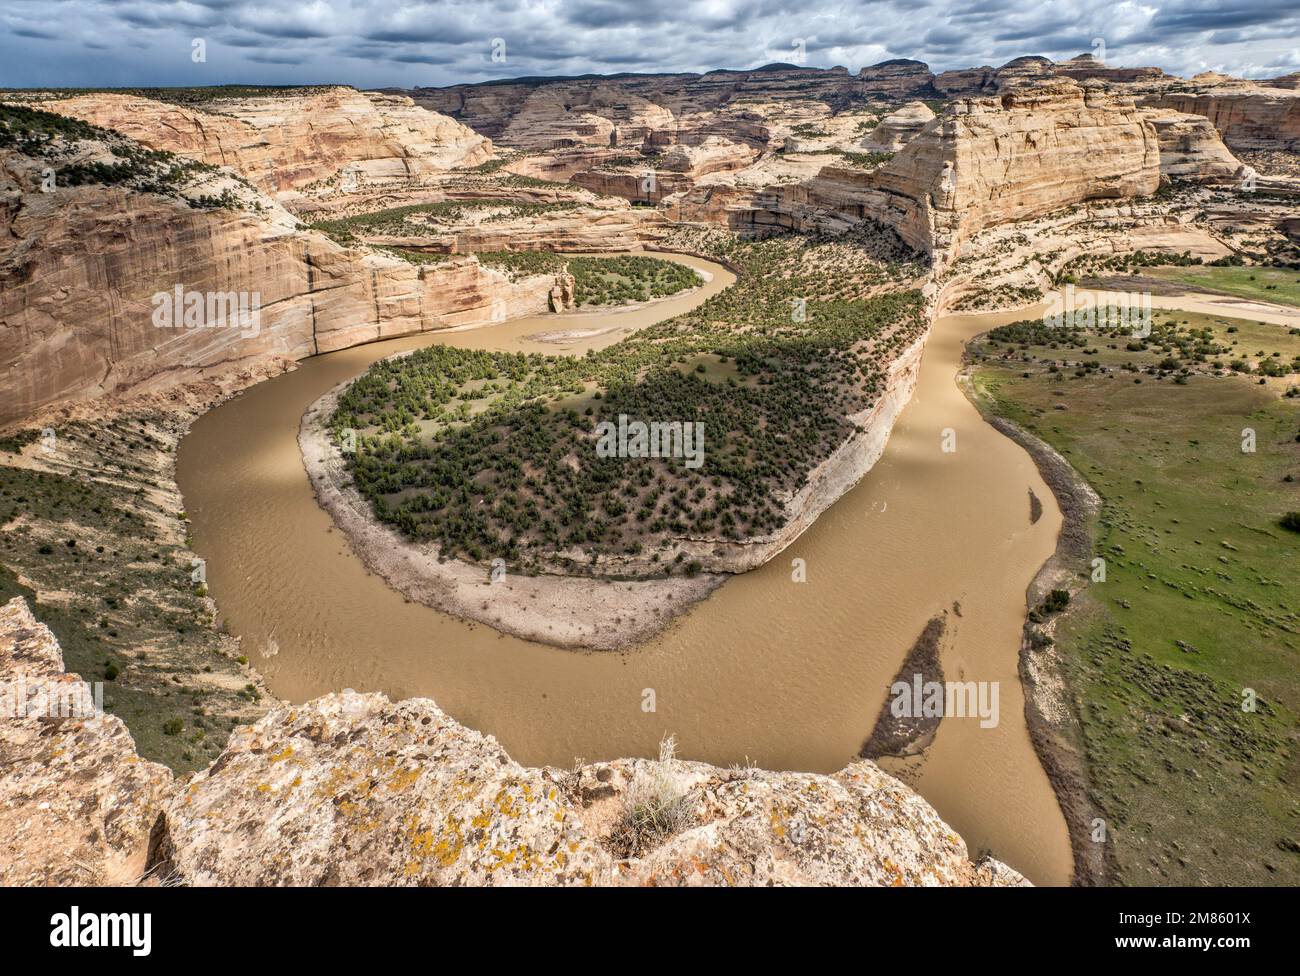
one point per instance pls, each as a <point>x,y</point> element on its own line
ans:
<point>374,43</point>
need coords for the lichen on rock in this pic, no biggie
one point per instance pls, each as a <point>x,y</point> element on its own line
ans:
<point>354,789</point>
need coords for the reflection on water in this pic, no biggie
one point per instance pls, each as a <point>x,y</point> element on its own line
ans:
<point>786,675</point>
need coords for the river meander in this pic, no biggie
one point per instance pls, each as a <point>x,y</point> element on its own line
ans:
<point>782,674</point>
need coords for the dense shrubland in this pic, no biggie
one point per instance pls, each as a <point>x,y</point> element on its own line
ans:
<point>627,278</point>
<point>493,454</point>
<point>424,219</point>
<point>75,151</point>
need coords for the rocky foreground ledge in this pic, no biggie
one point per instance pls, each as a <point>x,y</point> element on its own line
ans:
<point>353,789</point>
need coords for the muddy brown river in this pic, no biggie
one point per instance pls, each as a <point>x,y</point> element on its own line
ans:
<point>782,674</point>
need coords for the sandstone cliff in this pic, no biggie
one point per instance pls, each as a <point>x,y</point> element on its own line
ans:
<point>1247,116</point>
<point>1190,148</point>
<point>76,322</point>
<point>355,789</point>
<point>897,129</point>
<point>628,109</point>
<point>287,141</point>
<point>76,803</point>
<point>1035,149</point>
<point>986,80</point>
<point>985,161</point>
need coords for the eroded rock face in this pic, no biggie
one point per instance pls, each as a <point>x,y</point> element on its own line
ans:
<point>987,80</point>
<point>635,109</point>
<point>898,78</point>
<point>1035,149</point>
<point>285,142</point>
<point>985,161</point>
<point>967,82</point>
<point>78,322</point>
<point>1190,148</point>
<point>1086,66</point>
<point>897,129</point>
<point>1247,116</point>
<point>593,230</point>
<point>354,789</point>
<point>76,803</point>
<point>712,154</point>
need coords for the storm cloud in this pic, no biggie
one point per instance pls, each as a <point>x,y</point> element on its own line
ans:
<point>371,43</point>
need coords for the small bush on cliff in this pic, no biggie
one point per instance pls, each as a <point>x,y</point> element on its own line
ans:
<point>655,806</point>
<point>1056,601</point>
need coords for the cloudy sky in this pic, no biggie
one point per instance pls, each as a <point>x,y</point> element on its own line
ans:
<point>372,43</point>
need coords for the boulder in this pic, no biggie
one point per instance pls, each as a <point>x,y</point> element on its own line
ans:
<point>77,805</point>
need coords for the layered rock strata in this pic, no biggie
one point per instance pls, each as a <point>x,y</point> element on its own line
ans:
<point>897,129</point>
<point>78,323</point>
<point>1191,149</point>
<point>285,142</point>
<point>1247,116</point>
<point>984,162</point>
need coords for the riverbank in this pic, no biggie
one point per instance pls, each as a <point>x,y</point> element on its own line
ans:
<point>593,612</point>
<point>1180,596</point>
<point>1049,712</point>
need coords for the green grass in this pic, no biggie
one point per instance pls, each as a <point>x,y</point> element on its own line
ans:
<point>116,589</point>
<point>1201,601</point>
<point>1277,285</point>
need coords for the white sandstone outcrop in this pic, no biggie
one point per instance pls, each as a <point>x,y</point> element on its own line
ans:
<point>286,141</point>
<point>897,129</point>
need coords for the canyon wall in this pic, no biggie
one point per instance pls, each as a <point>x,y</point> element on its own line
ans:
<point>987,80</point>
<point>531,112</point>
<point>542,113</point>
<point>1191,149</point>
<point>80,267</point>
<point>1035,149</point>
<point>985,161</point>
<point>352,789</point>
<point>1247,116</point>
<point>897,129</point>
<point>286,141</point>
<point>575,230</point>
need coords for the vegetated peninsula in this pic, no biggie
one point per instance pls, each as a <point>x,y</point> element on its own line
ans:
<point>790,379</point>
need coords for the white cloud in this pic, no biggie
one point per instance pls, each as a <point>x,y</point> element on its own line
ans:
<point>374,43</point>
